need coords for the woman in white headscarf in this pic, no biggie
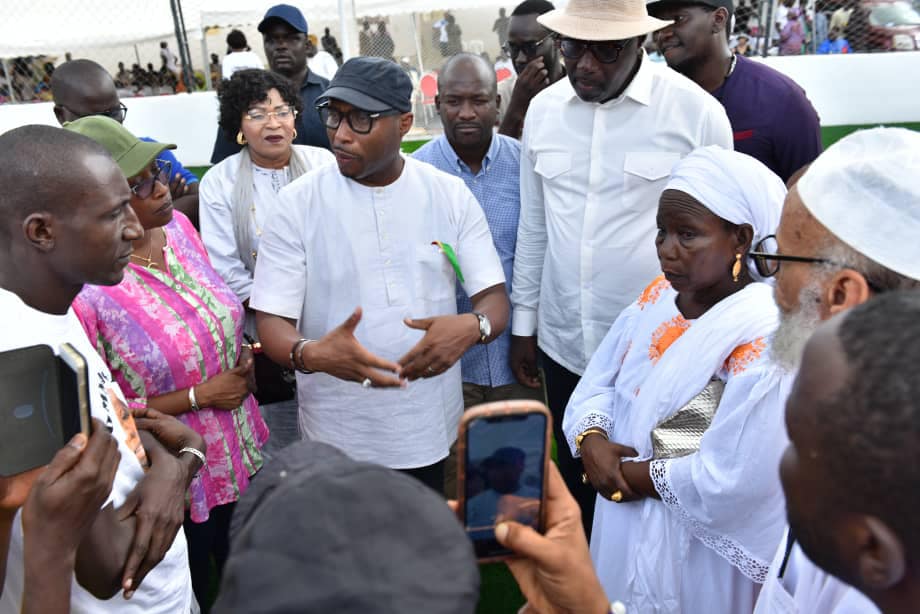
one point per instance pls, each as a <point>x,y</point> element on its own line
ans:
<point>678,417</point>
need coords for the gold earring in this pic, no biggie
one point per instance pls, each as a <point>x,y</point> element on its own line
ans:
<point>295,135</point>
<point>240,139</point>
<point>736,268</point>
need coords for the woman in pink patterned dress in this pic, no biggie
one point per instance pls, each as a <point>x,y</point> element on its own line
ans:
<point>171,333</point>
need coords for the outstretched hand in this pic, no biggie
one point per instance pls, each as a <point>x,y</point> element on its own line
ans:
<point>446,339</point>
<point>340,354</point>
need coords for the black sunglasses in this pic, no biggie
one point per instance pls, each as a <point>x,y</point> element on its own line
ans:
<point>529,49</point>
<point>605,52</point>
<point>767,260</point>
<point>359,120</point>
<point>144,188</point>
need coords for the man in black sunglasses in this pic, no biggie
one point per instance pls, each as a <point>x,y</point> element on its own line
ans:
<point>596,151</point>
<point>532,50</point>
<point>82,88</point>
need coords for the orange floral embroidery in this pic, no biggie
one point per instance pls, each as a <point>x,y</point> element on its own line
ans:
<point>666,334</point>
<point>652,293</point>
<point>744,355</point>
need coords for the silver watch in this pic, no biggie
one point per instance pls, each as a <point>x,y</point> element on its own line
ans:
<point>485,327</point>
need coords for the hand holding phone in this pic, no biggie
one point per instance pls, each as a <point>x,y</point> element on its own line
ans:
<point>503,454</point>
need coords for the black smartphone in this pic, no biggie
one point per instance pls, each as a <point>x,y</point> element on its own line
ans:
<point>75,408</point>
<point>503,452</point>
<point>40,407</point>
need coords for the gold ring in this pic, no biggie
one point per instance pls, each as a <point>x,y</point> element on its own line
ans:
<point>584,478</point>
<point>617,496</point>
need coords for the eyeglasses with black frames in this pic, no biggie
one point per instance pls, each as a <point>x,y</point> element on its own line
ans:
<point>767,260</point>
<point>359,120</point>
<point>606,52</point>
<point>143,189</point>
<point>117,113</point>
<point>529,49</point>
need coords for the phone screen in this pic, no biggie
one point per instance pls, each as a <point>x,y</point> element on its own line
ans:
<point>505,458</point>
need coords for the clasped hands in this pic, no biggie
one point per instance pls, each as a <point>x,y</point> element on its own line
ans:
<point>602,460</point>
<point>446,339</point>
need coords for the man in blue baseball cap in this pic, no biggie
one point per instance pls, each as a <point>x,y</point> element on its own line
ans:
<point>356,283</point>
<point>284,38</point>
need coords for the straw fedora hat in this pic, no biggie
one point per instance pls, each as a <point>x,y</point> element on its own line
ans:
<point>602,20</point>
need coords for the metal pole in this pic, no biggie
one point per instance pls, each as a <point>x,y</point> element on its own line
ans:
<point>418,43</point>
<point>182,41</point>
<point>9,79</point>
<point>768,38</point>
<point>207,61</point>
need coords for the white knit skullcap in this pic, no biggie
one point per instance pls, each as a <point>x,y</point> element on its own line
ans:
<point>865,189</point>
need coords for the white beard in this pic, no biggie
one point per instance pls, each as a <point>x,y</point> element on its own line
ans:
<point>795,328</point>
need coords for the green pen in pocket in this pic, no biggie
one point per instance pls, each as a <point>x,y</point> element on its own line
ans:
<point>451,256</point>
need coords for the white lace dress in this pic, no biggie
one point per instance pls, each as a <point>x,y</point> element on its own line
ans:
<point>706,546</point>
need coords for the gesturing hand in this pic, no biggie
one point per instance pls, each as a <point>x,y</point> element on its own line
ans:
<point>446,339</point>
<point>554,570</point>
<point>601,459</point>
<point>340,354</point>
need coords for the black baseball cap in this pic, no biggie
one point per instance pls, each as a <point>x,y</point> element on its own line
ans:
<point>728,5</point>
<point>319,532</point>
<point>371,84</point>
<point>290,15</point>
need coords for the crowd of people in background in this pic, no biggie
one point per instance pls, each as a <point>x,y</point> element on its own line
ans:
<point>719,313</point>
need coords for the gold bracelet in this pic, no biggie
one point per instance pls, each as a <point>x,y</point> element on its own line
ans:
<point>192,401</point>
<point>594,430</point>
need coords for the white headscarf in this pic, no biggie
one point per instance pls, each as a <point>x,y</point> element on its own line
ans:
<point>866,190</point>
<point>735,187</point>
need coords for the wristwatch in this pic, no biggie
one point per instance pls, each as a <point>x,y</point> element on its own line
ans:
<point>485,327</point>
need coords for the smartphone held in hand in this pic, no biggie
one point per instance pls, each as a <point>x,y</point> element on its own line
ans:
<point>503,451</point>
<point>44,402</point>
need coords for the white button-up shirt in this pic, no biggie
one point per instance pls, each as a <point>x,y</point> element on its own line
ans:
<point>335,244</point>
<point>591,176</point>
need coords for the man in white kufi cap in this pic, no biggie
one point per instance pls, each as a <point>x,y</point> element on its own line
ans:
<point>596,151</point>
<point>848,232</point>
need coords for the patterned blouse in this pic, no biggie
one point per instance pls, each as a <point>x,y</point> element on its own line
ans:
<point>164,331</point>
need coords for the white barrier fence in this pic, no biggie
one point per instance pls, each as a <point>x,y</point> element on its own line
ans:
<point>845,89</point>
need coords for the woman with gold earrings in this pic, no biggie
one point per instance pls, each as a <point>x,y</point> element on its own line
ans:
<point>675,417</point>
<point>238,196</point>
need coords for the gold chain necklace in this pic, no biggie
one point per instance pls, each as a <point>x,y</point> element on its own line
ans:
<point>150,264</point>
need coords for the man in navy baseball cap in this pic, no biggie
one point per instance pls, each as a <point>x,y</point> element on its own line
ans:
<point>284,38</point>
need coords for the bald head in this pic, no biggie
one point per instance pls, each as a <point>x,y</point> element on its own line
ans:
<point>41,168</point>
<point>81,88</point>
<point>467,67</point>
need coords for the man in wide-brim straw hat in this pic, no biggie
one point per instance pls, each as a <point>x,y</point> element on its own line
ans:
<point>597,148</point>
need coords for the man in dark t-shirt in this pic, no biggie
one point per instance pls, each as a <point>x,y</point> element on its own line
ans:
<point>284,36</point>
<point>771,117</point>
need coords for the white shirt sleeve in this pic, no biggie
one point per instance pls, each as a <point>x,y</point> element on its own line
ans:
<point>279,286</point>
<point>479,262</point>
<point>717,130</point>
<point>216,215</point>
<point>531,244</point>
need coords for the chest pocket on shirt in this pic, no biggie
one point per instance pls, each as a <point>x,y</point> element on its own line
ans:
<point>552,164</point>
<point>641,170</point>
<point>435,279</point>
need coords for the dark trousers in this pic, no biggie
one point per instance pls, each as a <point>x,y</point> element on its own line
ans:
<point>431,476</point>
<point>207,539</point>
<point>560,384</point>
